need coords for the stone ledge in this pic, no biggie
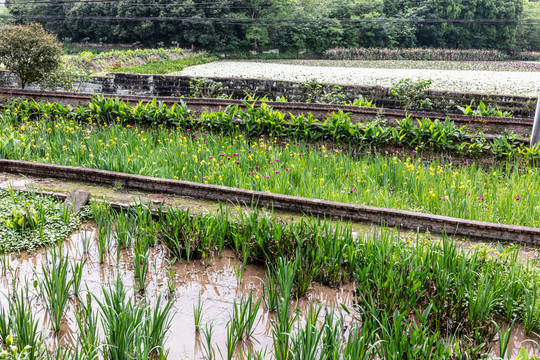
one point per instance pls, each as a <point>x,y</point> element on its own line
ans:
<point>362,213</point>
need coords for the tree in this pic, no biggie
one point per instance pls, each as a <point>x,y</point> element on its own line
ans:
<point>29,51</point>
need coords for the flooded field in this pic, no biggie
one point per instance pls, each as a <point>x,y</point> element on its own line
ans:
<point>205,281</point>
<point>214,280</point>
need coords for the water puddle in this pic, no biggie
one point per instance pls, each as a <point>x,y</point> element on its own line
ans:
<point>214,279</point>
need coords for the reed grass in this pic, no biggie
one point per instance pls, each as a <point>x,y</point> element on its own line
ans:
<point>198,312</point>
<point>56,285</point>
<point>244,316</point>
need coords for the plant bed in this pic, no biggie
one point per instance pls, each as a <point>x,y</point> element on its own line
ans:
<point>132,288</point>
<point>29,221</point>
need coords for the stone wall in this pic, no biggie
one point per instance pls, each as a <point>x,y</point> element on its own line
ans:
<point>391,217</point>
<point>166,85</point>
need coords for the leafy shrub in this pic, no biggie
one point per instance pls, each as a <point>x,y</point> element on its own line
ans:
<point>411,94</point>
<point>29,51</point>
<point>416,54</point>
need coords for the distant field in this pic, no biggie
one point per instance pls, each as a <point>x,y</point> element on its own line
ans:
<point>414,64</point>
<point>459,77</point>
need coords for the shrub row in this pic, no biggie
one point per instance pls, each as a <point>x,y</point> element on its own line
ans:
<point>424,54</point>
<point>427,134</point>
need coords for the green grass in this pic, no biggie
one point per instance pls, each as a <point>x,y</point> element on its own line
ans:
<point>167,66</point>
<point>138,61</point>
<point>504,194</point>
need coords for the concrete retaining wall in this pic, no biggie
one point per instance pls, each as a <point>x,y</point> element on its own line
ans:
<point>165,85</point>
<point>362,213</point>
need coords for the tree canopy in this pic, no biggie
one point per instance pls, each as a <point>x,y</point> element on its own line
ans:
<point>315,25</point>
<point>29,51</point>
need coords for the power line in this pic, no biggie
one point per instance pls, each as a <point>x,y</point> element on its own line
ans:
<point>270,21</point>
<point>196,5</point>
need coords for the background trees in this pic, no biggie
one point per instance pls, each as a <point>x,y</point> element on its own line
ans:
<point>314,24</point>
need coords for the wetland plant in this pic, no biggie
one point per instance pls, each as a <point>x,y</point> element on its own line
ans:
<point>244,316</point>
<point>5,324</point>
<point>332,334</point>
<point>56,285</point>
<point>504,339</point>
<point>87,321</point>
<point>141,253</point>
<point>231,341</point>
<point>77,272</point>
<point>125,225</point>
<point>24,327</point>
<point>197,312</point>
<point>132,327</point>
<point>103,218</point>
<point>5,263</point>
<point>306,344</point>
<point>158,319</point>
<point>531,317</point>
<point>209,351</point>
<point>283,323</point>
<point>270,290</point>
<point>171,284</point>
<point>86,238</point>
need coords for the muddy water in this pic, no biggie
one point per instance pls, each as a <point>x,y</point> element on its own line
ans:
<point>214,279</point>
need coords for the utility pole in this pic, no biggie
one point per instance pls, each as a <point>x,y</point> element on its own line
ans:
<point>535,135</point>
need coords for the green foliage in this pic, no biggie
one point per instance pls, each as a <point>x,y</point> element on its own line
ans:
<point>29,51</point>
<point>528,35</point>
<point>428,134</point>
<point>420,54</point>
<point>37,222</point>
<point>524,355</point>
<point>25,218</point>
<point>166,66</point>
<point>315,92</point>
<point>207,88</point>
<point>412,94</point>
<point>12,352</point>
<point>56,286</point>
<point>361,101</point>
<point>315,26</point>
<point>132,327</point>
<point>483,110</point>
<point>153,61</point>
<point>255,121</point>
<point>192,148</point>
<point>67,77</point>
